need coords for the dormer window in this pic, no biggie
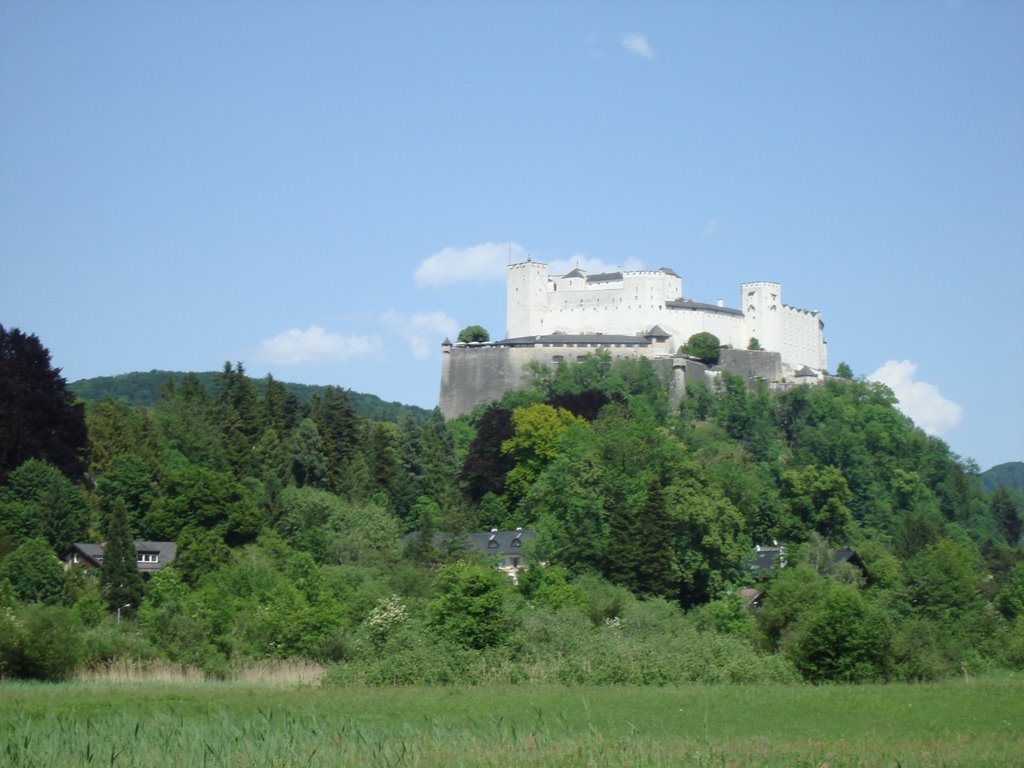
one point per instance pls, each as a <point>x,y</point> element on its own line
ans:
<point>517,542</point>
<point>148,557</point>
<point>492,543</point>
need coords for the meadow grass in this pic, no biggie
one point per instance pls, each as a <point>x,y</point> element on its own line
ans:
<point>978,723</point>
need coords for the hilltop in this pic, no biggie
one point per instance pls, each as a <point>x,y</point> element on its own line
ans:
<point>143,389</point>
<point>1010,474</point>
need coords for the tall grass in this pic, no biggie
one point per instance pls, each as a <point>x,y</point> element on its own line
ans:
<point>256,724</point>
<point>289,672</point>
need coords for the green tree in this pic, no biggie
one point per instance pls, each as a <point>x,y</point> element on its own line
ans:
<point>533,444</point>
<point>119,573</point>
<point>34,573</point>
<point>309,461</point>
<point>754,345</point>
<point>339,432</point>
<point>42,502</point>
<point>237,410</point>
<point>844,371</point>
<point>39,418</point>
<point>473,607</point>
<point>1006,513</point>
<point>203,498</point>
<point>38,642</point>
<point>189,423</point>
<point>704,346</point>
<point>844,638</point>
<point>129,480</point>
<point>817,498</point>
<point>473,333</point>
<point>116,429</point>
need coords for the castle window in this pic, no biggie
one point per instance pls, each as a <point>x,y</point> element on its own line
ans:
<point>557,358</point>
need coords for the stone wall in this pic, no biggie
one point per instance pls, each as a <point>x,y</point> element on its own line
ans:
<point>752,365</point>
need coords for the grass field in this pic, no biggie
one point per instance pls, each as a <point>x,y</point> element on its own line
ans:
<point>979,722</point>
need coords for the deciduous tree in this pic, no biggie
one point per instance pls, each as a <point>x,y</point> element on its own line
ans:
<point>39,418</point>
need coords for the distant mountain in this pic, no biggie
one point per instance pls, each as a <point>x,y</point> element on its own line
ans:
<point>144,389</point>
<point>1010,474</point>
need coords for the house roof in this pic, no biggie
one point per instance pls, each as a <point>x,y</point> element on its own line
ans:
<point>696,305</point>
<point>575,273</point>
<point>493,542</point>
<point>805,371</point>
<point>656,332</point>
<point>569,339</point>
<point>604,277</point>
<point>668,271</point>
<point>766,558</point>
<point>165,552</point>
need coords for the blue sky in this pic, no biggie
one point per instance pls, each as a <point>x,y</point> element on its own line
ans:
<point>326,190</point>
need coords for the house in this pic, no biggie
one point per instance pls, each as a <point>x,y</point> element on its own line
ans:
<point>150,556</point>
<point>505,546</point>
<point>767,559</point>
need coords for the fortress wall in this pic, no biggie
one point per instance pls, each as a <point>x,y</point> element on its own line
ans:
<point>473,375</point>
<point>683,323</point>
<point>627,306</point>
<point>752,365</point>
<point>802,341</point>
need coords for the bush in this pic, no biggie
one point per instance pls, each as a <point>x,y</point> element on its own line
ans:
<point>704,346</point>
<point>38,643</point>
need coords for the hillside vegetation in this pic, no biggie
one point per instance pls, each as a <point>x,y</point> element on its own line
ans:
<point>144,388</point>
<point>1009,475</point>
<point>288,518</point>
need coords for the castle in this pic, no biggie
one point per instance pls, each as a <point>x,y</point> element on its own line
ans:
<point>629,314</point>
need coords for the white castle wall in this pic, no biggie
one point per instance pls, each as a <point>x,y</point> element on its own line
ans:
<point>633,302</point>
<point>802,338</point>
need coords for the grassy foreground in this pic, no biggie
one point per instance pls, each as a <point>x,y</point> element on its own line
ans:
<point>978,722</point>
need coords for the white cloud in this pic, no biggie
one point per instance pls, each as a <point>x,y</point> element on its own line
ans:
<point>422,331</point>
<point>919,400</point>
<point>590,266</point>
<point>475,264</point>
<point>315,345</point>
<point>634,42</point>
<point>712,227</point>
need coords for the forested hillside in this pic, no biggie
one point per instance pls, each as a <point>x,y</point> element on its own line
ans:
<point>1010,475</point>
<point>288,518</point>
<point>145,388</point>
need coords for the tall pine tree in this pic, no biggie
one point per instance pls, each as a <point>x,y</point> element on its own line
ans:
<point>119,575</point>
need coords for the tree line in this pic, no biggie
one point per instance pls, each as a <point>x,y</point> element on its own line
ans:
<point>289,519</point>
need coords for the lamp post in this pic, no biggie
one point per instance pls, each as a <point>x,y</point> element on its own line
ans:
<point>126,605</point>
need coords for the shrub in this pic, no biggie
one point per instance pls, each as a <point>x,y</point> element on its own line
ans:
<point>704,346</point>
<point>38,643</point>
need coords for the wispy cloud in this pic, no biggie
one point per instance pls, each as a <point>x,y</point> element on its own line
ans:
<point>423,332</point>
<point>590,266</point>
<point>712,227</point>
<point>315,345</point>
<point>476,264</point>
<point>919,400</point>
<point>637,43</point>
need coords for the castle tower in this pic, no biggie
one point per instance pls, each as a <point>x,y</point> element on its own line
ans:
<point>761,303</point>
<point>527,303</point>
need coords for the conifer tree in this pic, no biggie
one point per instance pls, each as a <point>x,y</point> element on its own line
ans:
<point>119,574</point>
